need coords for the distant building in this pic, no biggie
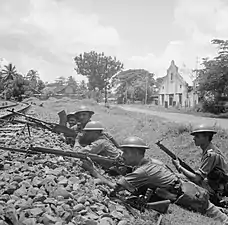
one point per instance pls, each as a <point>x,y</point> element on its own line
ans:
<point>65,90</point>
<point>175,91</point>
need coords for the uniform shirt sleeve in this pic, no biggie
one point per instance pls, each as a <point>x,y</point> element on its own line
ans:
<point>134,180</point>
<point>111,138</point>
<point>208,163</point>
<point>94,148</point>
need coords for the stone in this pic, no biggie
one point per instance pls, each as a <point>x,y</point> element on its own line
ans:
<point>36,211</point>
<point>82,199</point>
<point>106,221</point>
<point>62,192</point>
<point>79,207</point>
<point>48,219</point>
<point>123,222</point>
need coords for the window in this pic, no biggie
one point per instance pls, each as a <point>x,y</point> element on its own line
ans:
<point>163,87</point>
<point>180,86</point>
<point>171,76</point>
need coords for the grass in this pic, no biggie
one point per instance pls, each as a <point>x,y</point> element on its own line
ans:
<point>151,128</point>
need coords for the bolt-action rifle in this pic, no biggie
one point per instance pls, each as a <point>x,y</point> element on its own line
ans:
<point>140,203</point>
<point>56,128</point>
<point>107,162</point>
<point>173,156</point>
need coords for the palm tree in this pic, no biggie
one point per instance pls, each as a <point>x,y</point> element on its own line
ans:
<point>33,78</point>
<point>8,72</point>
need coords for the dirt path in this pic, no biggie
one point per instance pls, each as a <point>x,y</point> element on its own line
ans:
<point>179,117</point>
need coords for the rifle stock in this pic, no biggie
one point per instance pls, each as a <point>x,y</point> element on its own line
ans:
<point>173,156</point>
<point>159,206</point>
<point>62,118</point>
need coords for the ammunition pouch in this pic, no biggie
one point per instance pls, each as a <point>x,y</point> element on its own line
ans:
<point>193,197</point>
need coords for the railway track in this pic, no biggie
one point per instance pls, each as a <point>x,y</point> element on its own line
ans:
<point>8,130</point>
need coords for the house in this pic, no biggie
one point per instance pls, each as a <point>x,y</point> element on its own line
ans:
<point>65,90</point>
<point>175,91</point>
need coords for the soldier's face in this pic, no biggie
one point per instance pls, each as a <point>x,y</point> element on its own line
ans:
<point>84,117</point>
<point>90,135</point>
<point>72,121</point>
<point>130,157</point>
<point>200,139</point>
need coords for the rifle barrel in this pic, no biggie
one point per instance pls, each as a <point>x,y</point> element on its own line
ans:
<point>79,155</point>
<point>173,156</point>
<point>17,150</point>
<point>29,117</point>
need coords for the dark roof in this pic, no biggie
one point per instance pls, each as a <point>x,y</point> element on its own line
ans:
<point>61,88</point>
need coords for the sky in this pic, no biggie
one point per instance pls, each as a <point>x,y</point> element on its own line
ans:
<point>46,35</point>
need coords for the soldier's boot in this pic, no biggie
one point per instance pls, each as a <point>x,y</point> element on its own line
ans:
<point>215,213</point>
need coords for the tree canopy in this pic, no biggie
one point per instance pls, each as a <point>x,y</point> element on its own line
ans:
<point>213,78</point>
<point>98,68</point>
<point>14,84</point>
<point>135,84</point>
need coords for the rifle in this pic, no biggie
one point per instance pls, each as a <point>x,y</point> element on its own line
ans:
<point>62,117</point>
<point>137,203</point>
<point>53,127</point>
<point>173,156</point>
<point>108,162</point>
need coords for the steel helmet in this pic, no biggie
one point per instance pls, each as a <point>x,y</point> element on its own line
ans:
<point>203,128</point>
<point>93,125</point>
<point>133,142</point>
<point>84,109</point>
<point>71,114</point>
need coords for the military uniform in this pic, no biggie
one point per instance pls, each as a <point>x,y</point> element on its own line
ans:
<point>97,143</point>
<point>103,147</point>
<point>82,140</point>
<point>70,140</point>
<point>155,175</point>
<point>213,168</point>
<point>213,171</point>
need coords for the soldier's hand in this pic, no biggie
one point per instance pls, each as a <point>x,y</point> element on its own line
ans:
<point>176,163</point>
<point>88,165</point>
<point>112,193</point>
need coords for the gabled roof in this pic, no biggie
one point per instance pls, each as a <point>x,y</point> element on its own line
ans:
<point>184,78</point>
<point>62,88</point>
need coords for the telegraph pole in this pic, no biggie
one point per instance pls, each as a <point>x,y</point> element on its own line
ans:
<point>126,92</point>
<point>146,89</point>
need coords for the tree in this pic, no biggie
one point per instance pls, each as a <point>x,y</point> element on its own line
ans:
<point>159,81</point>
<point>98,68</point>
<point>33,77</point>
<point>8,72</point>
<point>71,81</point>
<point>135,84</point>
<point>213,78</point>
<point>16,87</point>
<point>40,85</point>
